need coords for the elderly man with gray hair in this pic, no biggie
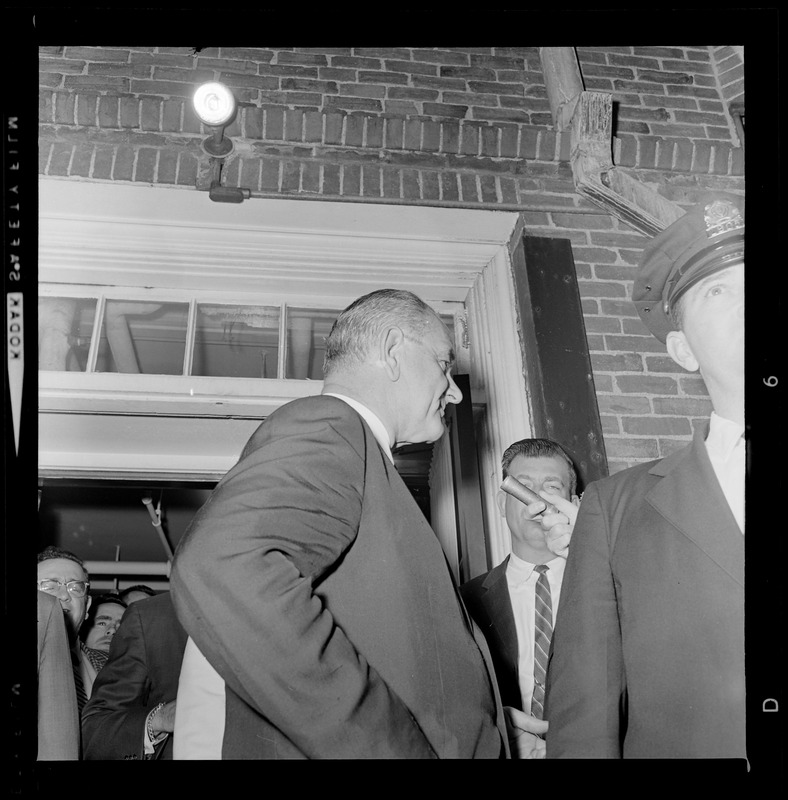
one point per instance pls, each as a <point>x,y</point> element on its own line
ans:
<point>312,584</point>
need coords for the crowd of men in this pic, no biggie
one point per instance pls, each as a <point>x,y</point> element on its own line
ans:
<point>312,612</point>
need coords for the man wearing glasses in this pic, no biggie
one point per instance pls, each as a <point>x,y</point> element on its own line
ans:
<point>62,574</point>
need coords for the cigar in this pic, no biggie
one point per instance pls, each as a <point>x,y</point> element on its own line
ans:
<point>525,495</point>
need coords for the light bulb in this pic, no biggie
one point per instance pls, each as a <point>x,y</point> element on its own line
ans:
<point>214,103</point>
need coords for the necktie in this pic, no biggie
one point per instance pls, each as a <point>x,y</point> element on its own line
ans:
<point>543,631</point>
<point>82,696</point>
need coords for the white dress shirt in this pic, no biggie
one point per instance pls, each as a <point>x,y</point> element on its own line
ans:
<point>726,449</point>
<point>521,577</point>
<point>200,708</point>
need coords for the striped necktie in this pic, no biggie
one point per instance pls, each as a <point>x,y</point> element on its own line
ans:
<point>543,631</point>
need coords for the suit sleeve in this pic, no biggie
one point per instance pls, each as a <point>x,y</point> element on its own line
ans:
<point>58,717</point>
<point>585,681</point>
<point>113,720</point>
<point>242,583</point>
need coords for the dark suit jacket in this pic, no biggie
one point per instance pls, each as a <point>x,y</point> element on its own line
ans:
<point>487,600</point>
<point>142,671</point>
<point>58,718</point>
<point>648,647</point>
<point>313,584</point>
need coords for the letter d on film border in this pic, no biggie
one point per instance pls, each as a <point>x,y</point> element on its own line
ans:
<point>16,359</point>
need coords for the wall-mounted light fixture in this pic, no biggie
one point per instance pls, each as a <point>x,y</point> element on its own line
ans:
<point>215,107</point>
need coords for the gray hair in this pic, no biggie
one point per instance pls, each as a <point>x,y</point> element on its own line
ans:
<point>52,552</point>
<point>538,448</point>
<point>357,327</point>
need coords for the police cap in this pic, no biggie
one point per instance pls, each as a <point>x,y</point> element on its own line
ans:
<point>708,238</point>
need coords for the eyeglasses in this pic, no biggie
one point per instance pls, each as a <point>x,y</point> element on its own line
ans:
<point>75,588</point>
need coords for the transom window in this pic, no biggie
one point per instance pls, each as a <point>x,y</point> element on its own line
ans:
<point>113,333</point>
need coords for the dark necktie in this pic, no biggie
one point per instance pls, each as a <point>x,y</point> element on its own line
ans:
<point>543,631</point>
<point>82,696</point>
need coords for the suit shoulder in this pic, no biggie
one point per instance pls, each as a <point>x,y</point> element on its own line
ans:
<point>473,585</point>
<point>307,416</point>
<point>626,479</point>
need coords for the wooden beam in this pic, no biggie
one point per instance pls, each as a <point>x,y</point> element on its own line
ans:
<point>599,180</point>
<point>563,81</point>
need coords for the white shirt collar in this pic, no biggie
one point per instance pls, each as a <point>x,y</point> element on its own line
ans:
<point>373,420</point>
<point>724,435</point>
<point>519,570</point>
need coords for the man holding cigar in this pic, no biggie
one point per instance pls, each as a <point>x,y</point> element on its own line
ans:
<point>514,604</point>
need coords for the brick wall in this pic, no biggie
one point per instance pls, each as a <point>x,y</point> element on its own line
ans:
<point>457,127</point>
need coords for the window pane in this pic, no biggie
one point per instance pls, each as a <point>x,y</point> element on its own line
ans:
<point>307,329</point>
<point>236,341</point>
<point>143,337</point>
<point>65,325</point>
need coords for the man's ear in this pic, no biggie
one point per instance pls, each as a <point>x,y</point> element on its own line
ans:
<point>391,352</point>
<point>680,351</point>
<point>575,500</point>
<point>87,606</point>
<point>500,500</point>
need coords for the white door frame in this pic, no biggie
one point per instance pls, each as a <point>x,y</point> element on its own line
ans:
<point>163,239</point>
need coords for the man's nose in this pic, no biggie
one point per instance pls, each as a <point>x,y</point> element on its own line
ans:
<point>453,393</point>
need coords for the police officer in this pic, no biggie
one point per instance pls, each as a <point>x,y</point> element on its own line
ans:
<point>648,648</point>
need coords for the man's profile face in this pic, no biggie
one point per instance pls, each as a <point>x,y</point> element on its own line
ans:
<point>713,324</point>
<point>539,473</point>
<point>135,596</point>
<point>428,384</point>
<point>64,570</point>
<point>106,619</point>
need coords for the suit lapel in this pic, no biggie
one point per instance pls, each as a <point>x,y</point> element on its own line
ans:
<point>495,598</point>
<point>689,497</point>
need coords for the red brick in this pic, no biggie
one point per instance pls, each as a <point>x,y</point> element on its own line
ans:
<point>60,159</point>
<point>81,160</point>
<point>145,170</point>
<point>634,344</point>
<point>412,135</point>
<point>271,174</point>
<point>150,110</point>
<point>509,191</point>
<point>631,448</point>
<point>294,120</point>
<point>489,188</point>
<point>411,184</point>
<point>595,324</point>
<point>291,176</point>
<point>310,177</point>
<point>370,181</point>
<point>601,289</point>
<point>430,186</point>
<point>374,134</point>
<point>187,169</point>
<point>331,179</point>
<point>351,180</point>
<point>274,124</point>
<point>394,134</point>
<point>102,162</point>
<point>123,169</point>
<point>682,406</point>
<point>469,139</point>
<point>646,384</point>
<point>693,385</point>
<point>469,188</point>
<point>391,182</point>
<point>354,130</point>
<point>449,189</point>
<point>167,168</point>
<point>625,362</point>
